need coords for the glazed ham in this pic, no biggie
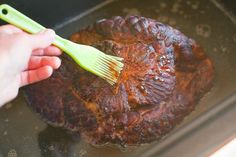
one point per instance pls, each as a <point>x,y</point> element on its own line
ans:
<point>165,75</point>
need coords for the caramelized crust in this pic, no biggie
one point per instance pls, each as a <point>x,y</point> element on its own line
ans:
<point>165,75</point>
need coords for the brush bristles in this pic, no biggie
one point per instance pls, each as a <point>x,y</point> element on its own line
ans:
<point>109,68</point>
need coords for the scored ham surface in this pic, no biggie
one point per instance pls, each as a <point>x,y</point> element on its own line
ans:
<point>165,75</point>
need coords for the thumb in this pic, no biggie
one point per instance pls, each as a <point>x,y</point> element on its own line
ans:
<point>42,39</point>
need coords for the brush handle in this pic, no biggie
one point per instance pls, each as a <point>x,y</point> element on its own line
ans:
<point>14,17</point>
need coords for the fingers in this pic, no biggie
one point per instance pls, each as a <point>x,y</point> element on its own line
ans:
<point>36,41</point>
<point>41,40</point>
<point>39,68</point>
<point>49,51</point>
<point>32,76</point>
<point>38,61</point>
<point>10,29</point>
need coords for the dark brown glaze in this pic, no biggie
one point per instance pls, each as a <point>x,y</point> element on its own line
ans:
<point>164,76</point>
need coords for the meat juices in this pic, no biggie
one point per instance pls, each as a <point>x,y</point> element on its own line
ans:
<point>165,75</point>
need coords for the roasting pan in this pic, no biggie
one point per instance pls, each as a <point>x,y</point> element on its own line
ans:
<point>210,23</point>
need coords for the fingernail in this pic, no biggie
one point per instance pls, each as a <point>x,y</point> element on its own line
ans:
<point>58,63</point>
<point>49,34</point>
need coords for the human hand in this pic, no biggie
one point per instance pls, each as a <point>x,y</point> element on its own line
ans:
<point>24,59</point>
